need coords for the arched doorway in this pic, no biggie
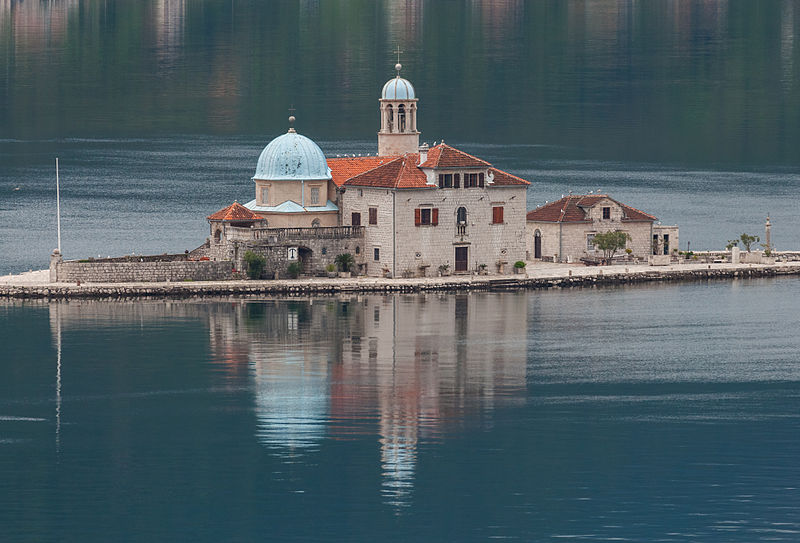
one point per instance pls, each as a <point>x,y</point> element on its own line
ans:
<point>537,244</point>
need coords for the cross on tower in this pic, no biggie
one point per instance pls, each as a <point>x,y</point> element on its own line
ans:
<point>398,66</point>
<point>398,51</point>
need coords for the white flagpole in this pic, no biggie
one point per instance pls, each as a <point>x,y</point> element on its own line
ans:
<point>58,208</point>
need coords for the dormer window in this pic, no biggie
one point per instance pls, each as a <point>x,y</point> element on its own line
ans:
<point>606,213</point>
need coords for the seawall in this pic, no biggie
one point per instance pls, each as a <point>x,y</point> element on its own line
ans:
<point>564,278</point>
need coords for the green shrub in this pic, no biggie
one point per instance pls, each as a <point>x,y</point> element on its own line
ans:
<point>294,270</point>
<point>519,264</point>
<point>345,261</point>
<point>255,264</point>
<point>330,268</point>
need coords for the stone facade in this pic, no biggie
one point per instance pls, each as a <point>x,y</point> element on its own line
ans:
<point>566,235</point>
<point>316,247</point>
<point>406,249</point>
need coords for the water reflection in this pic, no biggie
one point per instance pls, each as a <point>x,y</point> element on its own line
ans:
<point>407,368</point>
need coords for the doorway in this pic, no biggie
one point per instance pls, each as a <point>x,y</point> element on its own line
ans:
<point>462,255</point>
<point>537,244</point>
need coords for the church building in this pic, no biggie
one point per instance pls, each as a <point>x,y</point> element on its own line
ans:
<point>410,210</point>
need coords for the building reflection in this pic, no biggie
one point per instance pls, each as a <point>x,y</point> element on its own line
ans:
<point>409,368</point>
<point>404,371</point>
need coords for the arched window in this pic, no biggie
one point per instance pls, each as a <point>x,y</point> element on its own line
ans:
<point>537,244</point>
<point>461,221</point>
<point>389,118</point>
<point>401,118</point>
<point>315,223</point>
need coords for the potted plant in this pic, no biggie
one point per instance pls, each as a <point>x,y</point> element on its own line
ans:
<point>345,262</point>
<point>444,270</point>
<point>483,269</point>
<point>519,267</point>
<point>331,270</point>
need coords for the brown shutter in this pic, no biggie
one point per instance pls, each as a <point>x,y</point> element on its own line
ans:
<point>497,215</point>
<point>457,180</point>
<point>417,217</point>
<point>480,180</point>
<point>441,181</point>
<point>435,216</point>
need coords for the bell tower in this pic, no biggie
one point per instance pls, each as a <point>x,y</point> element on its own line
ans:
<point>398,134</point>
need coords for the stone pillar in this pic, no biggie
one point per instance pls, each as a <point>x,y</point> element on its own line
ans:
<point>55,262</point>
<point>735,255</point>
<point>768,232</point>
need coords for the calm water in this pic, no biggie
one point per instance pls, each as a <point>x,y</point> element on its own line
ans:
<point>158,108</point>
<point>623,414</point>
<point>641,414</point>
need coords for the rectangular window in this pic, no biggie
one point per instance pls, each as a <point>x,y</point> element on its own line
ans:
<point>355,219</point>
<point>655,244</point>
<point>666,244</point>
<point>315,195</point>
<point>445,180</point>
<point>373,215</point>
<point>470,180</point>
<point>606,212</point>
<point>426,216</point>
<point>497,215</point>
<point>457,180</point>
<point>590,242</point>
<point>480,180</point>
<point>376,254</point>
<point>264,196</point>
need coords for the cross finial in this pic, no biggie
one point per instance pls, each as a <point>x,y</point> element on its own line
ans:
<point>398,66</point>
<point>291,118</point>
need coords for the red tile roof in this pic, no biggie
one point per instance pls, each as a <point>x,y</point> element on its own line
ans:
<point>235,212</point>
<point>571,209</point>
<point>344,168</point>
<point>502,178</point>
<point>399,173</point>
<point>403,171</point>
<point>444,156</point>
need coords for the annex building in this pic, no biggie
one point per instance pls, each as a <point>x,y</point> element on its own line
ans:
<point>410,210</point>
<point>564,230</point>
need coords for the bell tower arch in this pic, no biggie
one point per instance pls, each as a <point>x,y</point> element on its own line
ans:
<point>398,106</point>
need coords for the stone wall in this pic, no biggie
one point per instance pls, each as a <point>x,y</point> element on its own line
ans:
<point>110,271</point>
<point>317,248</point>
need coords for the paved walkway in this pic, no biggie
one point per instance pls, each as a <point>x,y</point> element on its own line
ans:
<point>534,270</point>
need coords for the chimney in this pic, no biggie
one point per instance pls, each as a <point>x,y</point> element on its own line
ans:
<point>423,152</point>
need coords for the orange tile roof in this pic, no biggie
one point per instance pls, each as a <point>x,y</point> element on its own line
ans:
<point>399,173</point>
<point>571,209</point>
<point>444,156</point>
<point>404,171</point>
<point>502,178</point>
<point>234,213</point>
<point>344,168</point>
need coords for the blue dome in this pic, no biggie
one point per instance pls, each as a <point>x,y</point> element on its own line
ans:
<point>398,89</point>
<point>292,156</point>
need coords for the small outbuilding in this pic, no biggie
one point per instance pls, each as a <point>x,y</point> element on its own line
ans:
<point>564,230</point>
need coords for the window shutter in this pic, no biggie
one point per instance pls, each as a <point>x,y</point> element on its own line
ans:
<point>435,216</point>
<point>457,180</point>
<point>497,215</point>
<point>417,217</point>
<point>441,181</point>
<point>480,180</point>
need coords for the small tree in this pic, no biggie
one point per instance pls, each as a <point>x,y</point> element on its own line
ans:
<point>732,243</point>
<point>255,264</point>
<point>611,242</point>
<point>345,261</point>
<point>747,241</point>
